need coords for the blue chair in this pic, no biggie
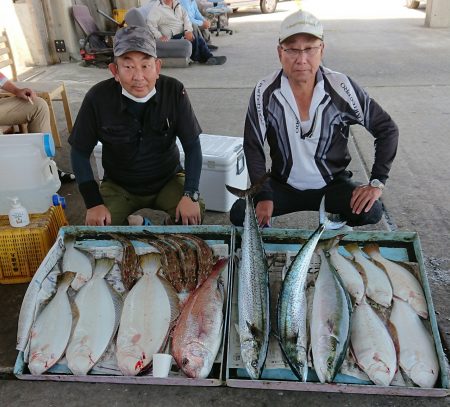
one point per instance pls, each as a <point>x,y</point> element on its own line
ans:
<point>219,8</point>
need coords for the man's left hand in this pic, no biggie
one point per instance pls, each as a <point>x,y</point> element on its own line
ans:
<point>206,24</point>
<point>363,198</point>
<point>189,211</point>
<point>188,35</point>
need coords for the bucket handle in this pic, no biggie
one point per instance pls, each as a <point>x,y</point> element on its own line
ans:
<point>52,169</point>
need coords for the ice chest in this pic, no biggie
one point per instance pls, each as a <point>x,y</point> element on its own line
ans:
<point>223,163</point>
<point>398,246</point>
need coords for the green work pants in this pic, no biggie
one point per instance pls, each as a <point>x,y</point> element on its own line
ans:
<point>122,203</point>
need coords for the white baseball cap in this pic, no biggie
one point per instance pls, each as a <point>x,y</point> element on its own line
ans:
<point>300,22</point>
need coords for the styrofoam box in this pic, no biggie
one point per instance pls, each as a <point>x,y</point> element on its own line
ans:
<point>223,163</point>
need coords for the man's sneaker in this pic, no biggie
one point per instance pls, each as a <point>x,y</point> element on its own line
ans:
<point>138,220</point>
<point>65,177</point>
<point>216,61</point>
<point>213,47</point>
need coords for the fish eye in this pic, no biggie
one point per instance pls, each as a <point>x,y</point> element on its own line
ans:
<point>185,361</point>
<point>254,364</point>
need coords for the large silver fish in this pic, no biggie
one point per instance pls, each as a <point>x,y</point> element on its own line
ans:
<point>197,336</point>
<point>253,292</point>
<point>372,345</point>
<point>51,331</point>
<point>404,284</point>
<point>330,322</point>
<point>417,350</point>
<point>99,309</point>
<point>292,307</point>
<point>149,311</point>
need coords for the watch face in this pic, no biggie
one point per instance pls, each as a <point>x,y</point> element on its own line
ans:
<point>193,195</point>
<point>376,184</point>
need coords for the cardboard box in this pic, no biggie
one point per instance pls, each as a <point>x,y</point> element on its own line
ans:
<point>223,163</point>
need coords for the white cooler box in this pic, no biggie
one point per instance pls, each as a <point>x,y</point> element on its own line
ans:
<point>223,163</point>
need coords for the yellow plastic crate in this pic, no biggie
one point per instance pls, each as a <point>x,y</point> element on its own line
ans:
<point>23,249</point>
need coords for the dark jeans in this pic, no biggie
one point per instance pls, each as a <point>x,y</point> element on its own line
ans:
<point>200,50</point>
<point>337,201</point>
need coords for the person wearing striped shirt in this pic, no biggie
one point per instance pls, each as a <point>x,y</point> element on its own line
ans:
<point>303,113</point>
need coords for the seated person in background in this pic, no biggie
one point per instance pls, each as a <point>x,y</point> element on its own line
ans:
<point>137,116</point>
<point>27,108</point>
<point>200,24</point>
<point>169,20</point>
<point>304,111</point>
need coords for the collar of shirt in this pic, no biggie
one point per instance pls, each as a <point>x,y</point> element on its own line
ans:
<point>288,94</point>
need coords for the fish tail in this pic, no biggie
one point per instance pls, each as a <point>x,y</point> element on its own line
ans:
<point>243,193</point>
<point>65,279</point>
<point>328,223</point>
<point>103,267</point>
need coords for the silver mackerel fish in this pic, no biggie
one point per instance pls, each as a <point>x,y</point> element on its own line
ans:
<point>253,291</point>
<point>292,307</point>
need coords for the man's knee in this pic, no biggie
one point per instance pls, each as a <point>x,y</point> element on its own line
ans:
<point>41,105</point>
<point>237,213</point>
<point>368,218</point>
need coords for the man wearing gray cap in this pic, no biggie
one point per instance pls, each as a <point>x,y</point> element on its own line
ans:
<point>137,115</point>
<point>304,112</point>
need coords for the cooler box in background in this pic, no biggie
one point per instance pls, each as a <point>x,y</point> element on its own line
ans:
<point>223,163</point>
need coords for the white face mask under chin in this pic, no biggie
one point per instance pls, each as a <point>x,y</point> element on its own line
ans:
<point>136,99</point>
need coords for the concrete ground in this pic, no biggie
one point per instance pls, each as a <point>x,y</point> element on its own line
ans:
<point>385,48</point>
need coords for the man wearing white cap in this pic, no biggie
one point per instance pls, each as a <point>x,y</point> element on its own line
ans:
<point>304,112</point>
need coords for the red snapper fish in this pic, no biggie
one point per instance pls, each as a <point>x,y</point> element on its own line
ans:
<point>197,336</point>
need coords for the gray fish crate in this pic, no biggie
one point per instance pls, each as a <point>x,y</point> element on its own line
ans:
<point>213,235</point>
<point>397,246</point>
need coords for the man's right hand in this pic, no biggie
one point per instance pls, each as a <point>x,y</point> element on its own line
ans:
<point>206,24</point>
<point>264,210</point>
<point>164,38</point>
<point>98,216</point>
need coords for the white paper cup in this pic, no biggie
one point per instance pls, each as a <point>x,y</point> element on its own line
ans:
<point>161,364</point>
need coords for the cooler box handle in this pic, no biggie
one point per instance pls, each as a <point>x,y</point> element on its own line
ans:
<point>240,163</point>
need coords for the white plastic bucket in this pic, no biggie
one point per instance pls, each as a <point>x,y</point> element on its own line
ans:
<point>26,171</point>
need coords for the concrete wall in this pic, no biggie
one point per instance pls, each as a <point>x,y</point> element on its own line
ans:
<point>33,25</point>
<point>437,14</point>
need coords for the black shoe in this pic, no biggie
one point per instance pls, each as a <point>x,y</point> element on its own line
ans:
<point>216,61</point>
<point>65,177</point>
<point>213,47</point>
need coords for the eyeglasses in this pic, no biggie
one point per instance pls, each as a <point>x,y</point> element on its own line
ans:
<point>295,53</point>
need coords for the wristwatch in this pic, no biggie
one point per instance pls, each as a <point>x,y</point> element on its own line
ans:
<point>195,196</point>
<point>376,183</point>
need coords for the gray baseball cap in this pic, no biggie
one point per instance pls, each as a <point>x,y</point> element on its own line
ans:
<point>134,38</point>
<point>300,22</point>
